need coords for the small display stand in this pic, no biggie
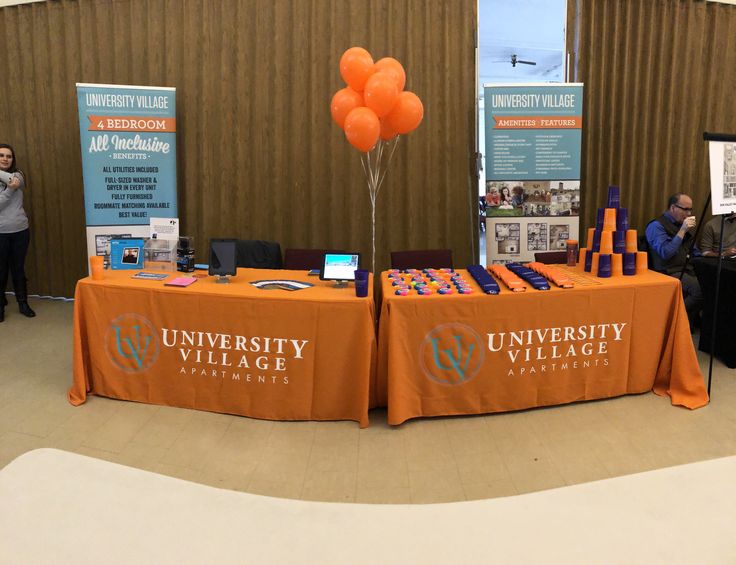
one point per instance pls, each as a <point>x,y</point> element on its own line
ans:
<point>160,254</point>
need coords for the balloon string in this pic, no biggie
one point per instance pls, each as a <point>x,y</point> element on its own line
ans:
<point>394,143</point>
<point>374,179</point>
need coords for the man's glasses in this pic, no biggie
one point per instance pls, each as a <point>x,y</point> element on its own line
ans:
<point>683,208</point>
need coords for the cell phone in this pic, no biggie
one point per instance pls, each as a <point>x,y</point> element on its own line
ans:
<point>313,272</point>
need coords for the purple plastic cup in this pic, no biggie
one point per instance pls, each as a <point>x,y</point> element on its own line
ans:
<point>619,241</point>
<point>622,219</point>
<point>614,196</point>
<point>361,282</point>
<point>629,267</point>
<point>588,261</point>
<point>604,265</point>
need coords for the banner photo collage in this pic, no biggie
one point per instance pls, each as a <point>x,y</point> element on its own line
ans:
<point>533,140</point>
<point>128,142</point>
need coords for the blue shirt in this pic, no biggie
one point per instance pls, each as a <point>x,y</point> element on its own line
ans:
<point>661,242</point>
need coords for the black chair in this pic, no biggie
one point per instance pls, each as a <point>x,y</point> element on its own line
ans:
<point>551,257</point>
<point>422,259</point>
<point>306,259</point>
<point>257,254</point>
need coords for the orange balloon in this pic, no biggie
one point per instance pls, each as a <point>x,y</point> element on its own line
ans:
<point>356,65</point>
<point>344,100</point>
<point>407,114</point>
<point>394,68</point>
<point>362,128</point>
<point>387,133</point>
<point>381,93</point>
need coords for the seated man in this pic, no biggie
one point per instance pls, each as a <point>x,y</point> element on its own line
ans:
<point>712,234</point>
<point>669,238</point>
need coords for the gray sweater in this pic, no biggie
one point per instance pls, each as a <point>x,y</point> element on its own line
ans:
<point>12,215</point>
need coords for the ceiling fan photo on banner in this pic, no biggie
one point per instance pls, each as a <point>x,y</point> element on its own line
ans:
<point>533,139</point>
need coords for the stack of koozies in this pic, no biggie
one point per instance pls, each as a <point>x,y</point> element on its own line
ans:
<point>513,282</point>
<point>560,278</point>
<point>484,279</point>
<point>612,247</point>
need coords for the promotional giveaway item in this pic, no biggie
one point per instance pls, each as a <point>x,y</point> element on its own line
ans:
<point>428,281</point>
<point>612,248</point>
<point>361,282</point>
<point>97,267</point>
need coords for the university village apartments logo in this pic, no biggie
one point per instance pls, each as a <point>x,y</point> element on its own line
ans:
<point>451,354</point>
<point>132,343</point>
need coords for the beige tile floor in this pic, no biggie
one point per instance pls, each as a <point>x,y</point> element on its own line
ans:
<point>430,460</point>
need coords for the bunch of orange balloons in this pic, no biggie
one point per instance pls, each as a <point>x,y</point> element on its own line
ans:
<point>374,103</point>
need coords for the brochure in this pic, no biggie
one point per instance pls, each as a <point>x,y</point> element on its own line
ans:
<point>164,228</point>
<point>150,276</point>
<point>181,281</point>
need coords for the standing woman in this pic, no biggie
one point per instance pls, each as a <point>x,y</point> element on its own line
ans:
<point>14,233</point>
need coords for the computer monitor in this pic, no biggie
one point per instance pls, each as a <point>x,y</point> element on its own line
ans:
<point>339,267</point>
<point>222,259</point>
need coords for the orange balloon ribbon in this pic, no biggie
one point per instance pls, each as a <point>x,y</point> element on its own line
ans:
<point>552,274</point>
<point>508,278</point>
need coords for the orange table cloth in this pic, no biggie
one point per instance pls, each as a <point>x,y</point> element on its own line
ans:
<point>477,353</point>
<point>308,354</point>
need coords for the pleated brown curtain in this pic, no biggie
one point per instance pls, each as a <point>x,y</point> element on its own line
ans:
<point>657,74</point>
<point>258,155</point>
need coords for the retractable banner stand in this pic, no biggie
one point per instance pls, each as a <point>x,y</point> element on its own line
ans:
<point>128,138</point>
<point>533,140</point>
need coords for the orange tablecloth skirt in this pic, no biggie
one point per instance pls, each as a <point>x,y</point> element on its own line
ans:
<point>308,354</point>
<point>474,354</point>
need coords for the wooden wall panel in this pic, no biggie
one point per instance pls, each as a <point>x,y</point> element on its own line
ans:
<point>657,74</point>
<point>258,155</point>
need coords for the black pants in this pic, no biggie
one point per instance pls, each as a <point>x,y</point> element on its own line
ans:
<point>13,249</point>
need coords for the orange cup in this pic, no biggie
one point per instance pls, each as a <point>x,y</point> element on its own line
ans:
<point>609,219</point>
<point>617,264</point>
<point>581,258</point>
<point>607,242</point>
<point>594,264</point>
<point>632,242</point>
<point>97,267</point>
<point>589,241</point>
<point>642,264</point>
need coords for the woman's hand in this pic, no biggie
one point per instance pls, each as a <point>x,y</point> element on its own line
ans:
<point>14,182</point>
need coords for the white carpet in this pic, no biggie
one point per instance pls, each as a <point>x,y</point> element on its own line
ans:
<point>59,507</point>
